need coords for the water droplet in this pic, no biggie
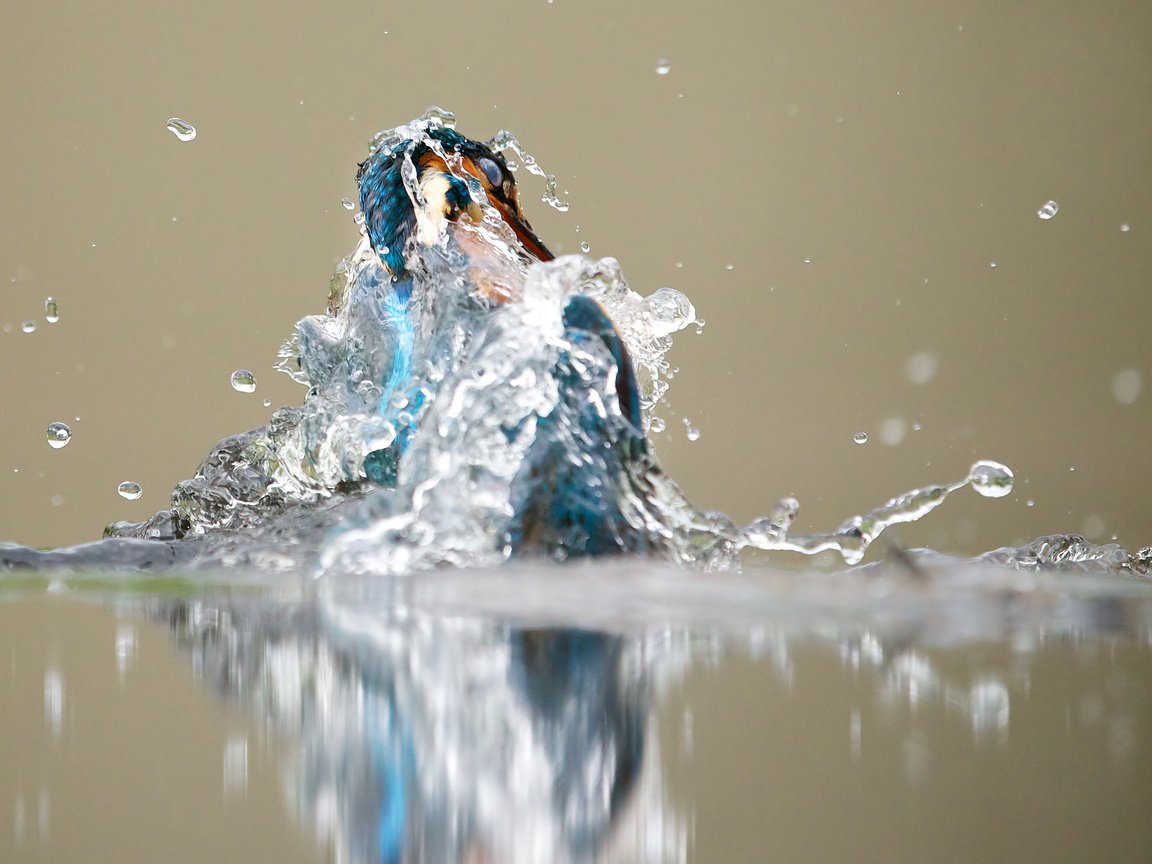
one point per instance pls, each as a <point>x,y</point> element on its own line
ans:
<point>1050,209</point>
<point>860,437</point>
<point>129,490</point>
<point>359,220</point>
<point>182,129</point>
<point>991,479</point>
<point>693,433</point>
<point>28,326</point>
<point>51,310</point>
<point>920,368</point>
<point>57,500</point>
<point>347,204</point>
<point>915,427</point>
<point>657,425</point>
<point>671,311</point>
<point>807,260</point>
<point>729,266</point>
<point>243,381</point>
<point>267,403</point>
<point>1126,386</point>
<point>1029,503</point>
<point>1125,227</point>
<point>585,246</point>
<point>992,264</point>
<point>663,67</point>
<point>58,435</point>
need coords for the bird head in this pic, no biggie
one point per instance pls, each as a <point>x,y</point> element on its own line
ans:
<point>413,184</point>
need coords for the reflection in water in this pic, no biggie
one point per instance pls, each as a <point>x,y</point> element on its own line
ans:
<point>489,716</point>
<point>441,739</point>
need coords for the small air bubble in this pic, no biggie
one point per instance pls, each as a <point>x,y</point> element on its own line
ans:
<point>129,490</point>
<point>1050,209</point>
<point>28,326</point>
<point>58,435</point>
<point>860,437</point>
<point>585,247</point>
<point>182,129</point>
<point>51,311</point>
<point>347,204</point>
<point>991,479</point>
<point>243,381</point>
<point>663,67</point>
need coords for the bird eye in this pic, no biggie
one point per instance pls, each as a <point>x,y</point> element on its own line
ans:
<point>492,170</point>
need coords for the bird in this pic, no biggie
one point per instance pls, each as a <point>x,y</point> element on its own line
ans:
<point>428,187</point>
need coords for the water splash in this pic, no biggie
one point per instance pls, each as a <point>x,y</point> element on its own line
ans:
<point>444,427</point>
<point>852,539</point>
<point>505,141</point>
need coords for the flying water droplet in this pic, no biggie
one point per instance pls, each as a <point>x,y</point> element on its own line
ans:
<point>663,67</point>
<point>129,490</point>
<point>28,326</point>
<point>992,264</point>
<point>860,437</point>
<point>182,129</point>
<point>1050,209</point>
<point>58,435</point>
<point>347,204</point>
<point>692,433</point>
<point>991,479</point>
<point>1125,227</point>
<point>550,198</point>
<point>243,381</point>
<point>671,311</point>
<point>657,425</point>
<point>51,310</point>
<point>585,246</point>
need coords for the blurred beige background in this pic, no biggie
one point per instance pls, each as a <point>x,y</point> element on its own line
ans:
<point>898,147</point>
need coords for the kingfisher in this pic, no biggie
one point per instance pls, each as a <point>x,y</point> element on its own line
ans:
<point>428,187</point>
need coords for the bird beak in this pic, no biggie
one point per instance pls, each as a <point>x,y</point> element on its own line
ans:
<point>524,233</point>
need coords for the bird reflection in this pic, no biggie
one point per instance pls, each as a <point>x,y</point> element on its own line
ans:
<point>433,739</point>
